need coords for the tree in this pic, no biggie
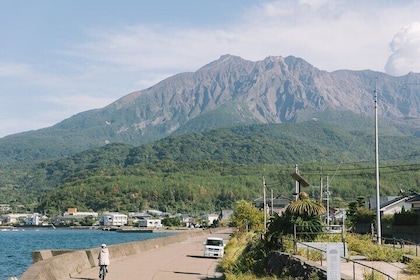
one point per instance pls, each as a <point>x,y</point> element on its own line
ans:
<point>171,221</point>
<point>247,216</point>
<point>303,213</point>
<point>358,214</point>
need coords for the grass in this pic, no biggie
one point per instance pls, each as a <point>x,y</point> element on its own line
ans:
<point>238,262</point>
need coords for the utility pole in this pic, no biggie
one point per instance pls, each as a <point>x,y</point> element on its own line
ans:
<point>297,189</point>
<point>378,198</point>
<point>328,204</point>
<point>272,202</point>
<point>265,205</point>
<point>320,187</point>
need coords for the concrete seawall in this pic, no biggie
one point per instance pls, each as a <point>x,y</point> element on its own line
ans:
<point>57,265</point>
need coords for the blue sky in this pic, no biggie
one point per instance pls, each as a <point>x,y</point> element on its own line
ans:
<point>59,58</point>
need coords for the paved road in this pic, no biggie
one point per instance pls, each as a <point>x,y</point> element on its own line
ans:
<point>185,261</point>
<point>176,261</point>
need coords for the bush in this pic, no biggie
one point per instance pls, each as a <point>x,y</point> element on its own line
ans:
<point>372,275</point>
<point>413,267</point>
<point>362,245</point>
<point>405,219</point>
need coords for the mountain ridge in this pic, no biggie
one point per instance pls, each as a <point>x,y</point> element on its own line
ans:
<point>226,92</point>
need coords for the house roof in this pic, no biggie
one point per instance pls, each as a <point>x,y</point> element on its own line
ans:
<point>393,201</point>
<point>415,198</point>
<point>276,200</point>
<point>396,200</point>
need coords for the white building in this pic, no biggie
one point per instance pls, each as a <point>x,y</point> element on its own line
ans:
<point>115,219</point>
<point>210,218</point>
<point>150,223</point>
<point>10,219</point>
<point>33,220</point>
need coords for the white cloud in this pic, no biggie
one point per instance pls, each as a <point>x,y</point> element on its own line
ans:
<point>14,69</point>
<point>405,48</point>
<point>112,62</point>
<point>329,34</point>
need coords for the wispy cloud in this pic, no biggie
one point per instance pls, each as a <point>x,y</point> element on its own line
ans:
<point>111,62</point>
<point>330,34</point>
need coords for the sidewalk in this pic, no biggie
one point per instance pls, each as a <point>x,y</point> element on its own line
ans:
<point>178,261</point>
<point>395,270</point>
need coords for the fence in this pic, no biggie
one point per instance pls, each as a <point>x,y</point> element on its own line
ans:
<point>354,262</point>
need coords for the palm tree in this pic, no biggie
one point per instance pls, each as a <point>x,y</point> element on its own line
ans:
<point>304,214</point>
<point>305,207</point>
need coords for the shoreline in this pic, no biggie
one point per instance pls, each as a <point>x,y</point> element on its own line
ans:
<point>104,228</point>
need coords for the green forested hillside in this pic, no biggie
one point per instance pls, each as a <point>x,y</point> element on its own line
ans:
<point>208,171</point>
<point>197,187</point>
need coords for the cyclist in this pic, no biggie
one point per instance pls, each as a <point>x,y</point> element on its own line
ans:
<point>103,259</point>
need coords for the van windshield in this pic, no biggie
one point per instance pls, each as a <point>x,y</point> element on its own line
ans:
<point>214,242</point>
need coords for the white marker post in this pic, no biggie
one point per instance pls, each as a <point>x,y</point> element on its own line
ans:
<point>333,261</point>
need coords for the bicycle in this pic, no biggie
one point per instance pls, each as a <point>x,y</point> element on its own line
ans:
<point>102,271</point>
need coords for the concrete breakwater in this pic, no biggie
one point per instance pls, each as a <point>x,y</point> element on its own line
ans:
<point>61,264</point>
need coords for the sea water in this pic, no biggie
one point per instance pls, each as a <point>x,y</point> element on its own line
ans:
<point>16,246</point>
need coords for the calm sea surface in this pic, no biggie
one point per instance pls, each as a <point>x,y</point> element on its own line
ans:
<point>16,246</point>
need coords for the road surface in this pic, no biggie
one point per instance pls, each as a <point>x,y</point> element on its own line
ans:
<point>182,260</point>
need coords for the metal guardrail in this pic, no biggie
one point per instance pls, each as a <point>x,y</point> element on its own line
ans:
<point>401,243</point>
<point>388,277</point>
<point>394,241</point>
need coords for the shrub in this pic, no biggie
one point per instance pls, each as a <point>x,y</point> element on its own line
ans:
<point>372,275</point>
<point>413,267</point>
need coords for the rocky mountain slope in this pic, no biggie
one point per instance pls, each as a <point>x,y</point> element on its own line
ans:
<point>225,93</point>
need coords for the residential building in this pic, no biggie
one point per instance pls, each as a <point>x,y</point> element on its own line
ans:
<point>115,219</point>
<point>274,205</point>
<point>394,204</point>
<point>150,223</point>
<point>210,218</point>
<point>12,219</point>
<point>74,212</point>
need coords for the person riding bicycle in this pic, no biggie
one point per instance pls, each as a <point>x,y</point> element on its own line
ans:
<point>103,258</point>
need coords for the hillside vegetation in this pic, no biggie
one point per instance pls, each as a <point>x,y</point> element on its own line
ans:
<point>209,171</point>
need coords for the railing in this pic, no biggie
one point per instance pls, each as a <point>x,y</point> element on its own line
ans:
<point>401,243</point>
<point>340,229</point>
<point>308,247</point>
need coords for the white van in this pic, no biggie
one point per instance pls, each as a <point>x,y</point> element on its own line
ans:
<point>214,247</point>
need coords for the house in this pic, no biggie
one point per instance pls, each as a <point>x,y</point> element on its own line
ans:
<point>414,202</point>
<point>150,223</point>
<point>11,219</point>
<point>210,218</point>
<point>275,205</point>
<point>226,214</point>
<point>33,220</point>
<point>115,219</point>
<point>394,204</point>
<point>74,212</point>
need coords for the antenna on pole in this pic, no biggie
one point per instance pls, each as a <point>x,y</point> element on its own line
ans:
<point>378,199</point>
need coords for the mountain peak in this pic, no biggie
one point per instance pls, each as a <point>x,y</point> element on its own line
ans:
<point>227,92</point>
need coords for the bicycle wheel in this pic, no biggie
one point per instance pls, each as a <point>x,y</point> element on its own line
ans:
<point>102,272</point>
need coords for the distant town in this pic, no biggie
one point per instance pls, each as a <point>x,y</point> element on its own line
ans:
<point>149,219</point>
